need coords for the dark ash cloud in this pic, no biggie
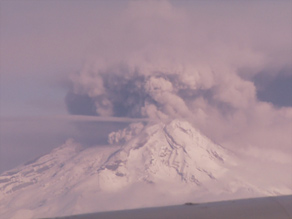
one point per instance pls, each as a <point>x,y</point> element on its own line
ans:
<point>175,62</point>
<point>80,104</point>
<point>276,89</point>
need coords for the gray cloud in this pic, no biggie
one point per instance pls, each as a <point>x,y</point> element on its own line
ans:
<point>203,61</point>
<point>275,89</point>
<point>78,104</point>
<point>164,62</point>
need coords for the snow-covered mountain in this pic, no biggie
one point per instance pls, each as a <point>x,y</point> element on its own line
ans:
<point>159,164</point>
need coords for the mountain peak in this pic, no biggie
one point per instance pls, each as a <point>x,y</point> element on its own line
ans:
<point>173,152</point>
<point>167,159</point>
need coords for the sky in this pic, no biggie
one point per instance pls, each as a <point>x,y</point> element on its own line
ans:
<point>224,66</point>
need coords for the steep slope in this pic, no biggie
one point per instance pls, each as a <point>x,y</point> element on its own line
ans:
<point>157,165</point>
<point>173,153</point>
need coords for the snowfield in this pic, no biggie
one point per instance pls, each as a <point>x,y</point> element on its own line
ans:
<point>156,165</point>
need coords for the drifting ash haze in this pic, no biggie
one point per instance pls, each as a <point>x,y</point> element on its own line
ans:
<point>188,75</point>
<point>160,164</point>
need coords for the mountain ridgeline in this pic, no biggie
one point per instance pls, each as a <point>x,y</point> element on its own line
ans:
<point>153,165</point>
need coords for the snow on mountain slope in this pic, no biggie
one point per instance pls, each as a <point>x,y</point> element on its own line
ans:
<point>175,153</point>
<point>155,165</point>
<point>49,179</point>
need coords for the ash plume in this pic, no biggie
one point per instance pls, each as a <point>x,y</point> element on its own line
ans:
<point>176,63</point>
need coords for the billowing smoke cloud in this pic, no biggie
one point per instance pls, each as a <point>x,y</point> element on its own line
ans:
<point>164,62</point>
<point>126,91</point>
<point>126,134</point>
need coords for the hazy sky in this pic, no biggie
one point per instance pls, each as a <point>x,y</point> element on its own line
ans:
<point>225,66</point>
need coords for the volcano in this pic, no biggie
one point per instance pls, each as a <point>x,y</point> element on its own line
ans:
<point>153,165</point>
